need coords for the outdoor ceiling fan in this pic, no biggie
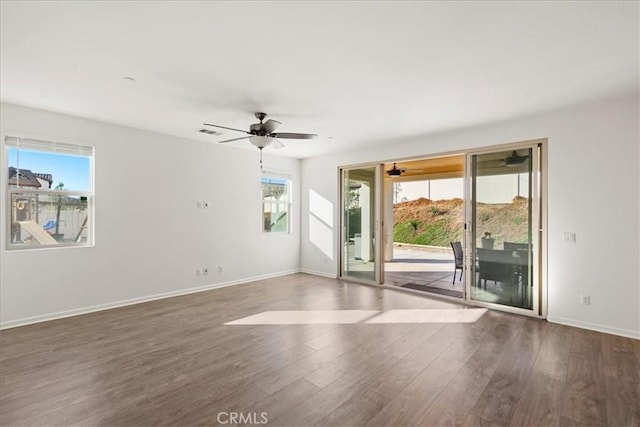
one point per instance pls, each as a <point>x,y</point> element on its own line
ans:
<point>512,161</point>
<point>395,171</point>
<point>515,160</point>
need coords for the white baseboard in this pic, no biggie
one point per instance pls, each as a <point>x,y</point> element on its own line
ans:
<point>101,307</point>
<point>318,273</point>
<point>595,327</point>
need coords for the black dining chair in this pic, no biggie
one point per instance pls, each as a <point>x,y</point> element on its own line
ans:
<point>494,265</point>
<point>521,252</point>
<point>458,256</point>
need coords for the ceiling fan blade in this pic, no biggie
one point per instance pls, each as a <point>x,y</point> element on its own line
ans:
<point>295,135</point>
<point>491,163</point>
<point>235,139</point>
<point>224,127</point>
<point>276,144</point>
<point>270,125</point>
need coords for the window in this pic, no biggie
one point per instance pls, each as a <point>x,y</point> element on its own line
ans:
<point>49,193</point>
<point>276,203</point>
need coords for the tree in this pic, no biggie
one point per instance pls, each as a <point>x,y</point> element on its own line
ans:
<point>352,199</point>
<point>397,189</point>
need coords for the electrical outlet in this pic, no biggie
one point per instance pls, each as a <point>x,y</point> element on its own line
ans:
<point>198,205</point>
<point>198,272</point>
<point>219,269</point>
<point>205,271</point>
<point>585,299</point>
<point>568,237</point>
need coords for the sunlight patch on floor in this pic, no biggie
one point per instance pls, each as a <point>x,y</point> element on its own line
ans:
<point>446,315</point>
<point>323,317</point>
<point>305,317</point>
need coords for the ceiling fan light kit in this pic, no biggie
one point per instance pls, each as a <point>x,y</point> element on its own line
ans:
<point>263,141</point>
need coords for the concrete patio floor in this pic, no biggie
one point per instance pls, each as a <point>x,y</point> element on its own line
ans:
<point>423,270</point>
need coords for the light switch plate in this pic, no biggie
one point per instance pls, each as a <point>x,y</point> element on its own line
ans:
<point>568,237</point>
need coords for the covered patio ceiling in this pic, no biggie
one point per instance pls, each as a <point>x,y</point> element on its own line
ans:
<point>453,167</point>
<point>430,168</point>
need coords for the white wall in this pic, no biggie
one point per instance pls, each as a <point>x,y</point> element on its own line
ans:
<point>149,236</point>
<point>593,181</point>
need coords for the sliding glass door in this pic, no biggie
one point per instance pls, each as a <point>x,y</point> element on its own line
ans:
<point>360,257</point>
<point>503,237</point>
<point>503,244</point>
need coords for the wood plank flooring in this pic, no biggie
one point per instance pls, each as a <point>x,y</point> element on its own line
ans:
<point>175,362</point>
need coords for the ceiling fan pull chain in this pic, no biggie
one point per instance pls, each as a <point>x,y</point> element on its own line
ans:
<point>260,158</point>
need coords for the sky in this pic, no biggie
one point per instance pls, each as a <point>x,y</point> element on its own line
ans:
<point>440,189</point>
<point>273,180</point>
<point>490,189</point>
<point>73,171</point>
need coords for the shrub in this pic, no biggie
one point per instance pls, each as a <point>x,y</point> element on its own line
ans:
<point>433,235</point>
<point>415,232</point>
<point>403,232</point>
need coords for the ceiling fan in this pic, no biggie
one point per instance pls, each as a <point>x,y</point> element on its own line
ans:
<point>263,134</point>
<point>512,161</point>
<point>396,171</point>
<point>515,159</point>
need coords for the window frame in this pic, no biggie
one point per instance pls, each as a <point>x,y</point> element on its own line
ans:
<point>56,146</point>
<point>288,203</point>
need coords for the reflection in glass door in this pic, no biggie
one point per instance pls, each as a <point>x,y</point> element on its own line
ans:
<point>504,219</point>
<point>360,255</point>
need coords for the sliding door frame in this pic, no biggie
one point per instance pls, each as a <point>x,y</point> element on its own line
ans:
<point>538,228</point>
<point>378,247</point>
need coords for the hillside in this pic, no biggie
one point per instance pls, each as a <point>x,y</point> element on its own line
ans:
<point>438,222</point>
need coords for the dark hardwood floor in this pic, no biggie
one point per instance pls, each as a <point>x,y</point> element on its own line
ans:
<point>175,362</point>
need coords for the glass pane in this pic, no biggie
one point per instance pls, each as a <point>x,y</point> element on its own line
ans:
<point>275,204</point>
<point>501,240</point>
<point>49,198</point>
<point>275,217</point>
<point>48,219</point>
<point>359,260</point>
<point>44,170</point>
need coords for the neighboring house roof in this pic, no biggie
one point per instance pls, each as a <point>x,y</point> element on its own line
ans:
<point>45,177</point>
<point>24,177</point>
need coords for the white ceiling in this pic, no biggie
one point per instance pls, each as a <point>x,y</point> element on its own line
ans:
<point>356,73</point>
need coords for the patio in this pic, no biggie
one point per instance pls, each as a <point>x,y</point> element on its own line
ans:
<point>428,270</point>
